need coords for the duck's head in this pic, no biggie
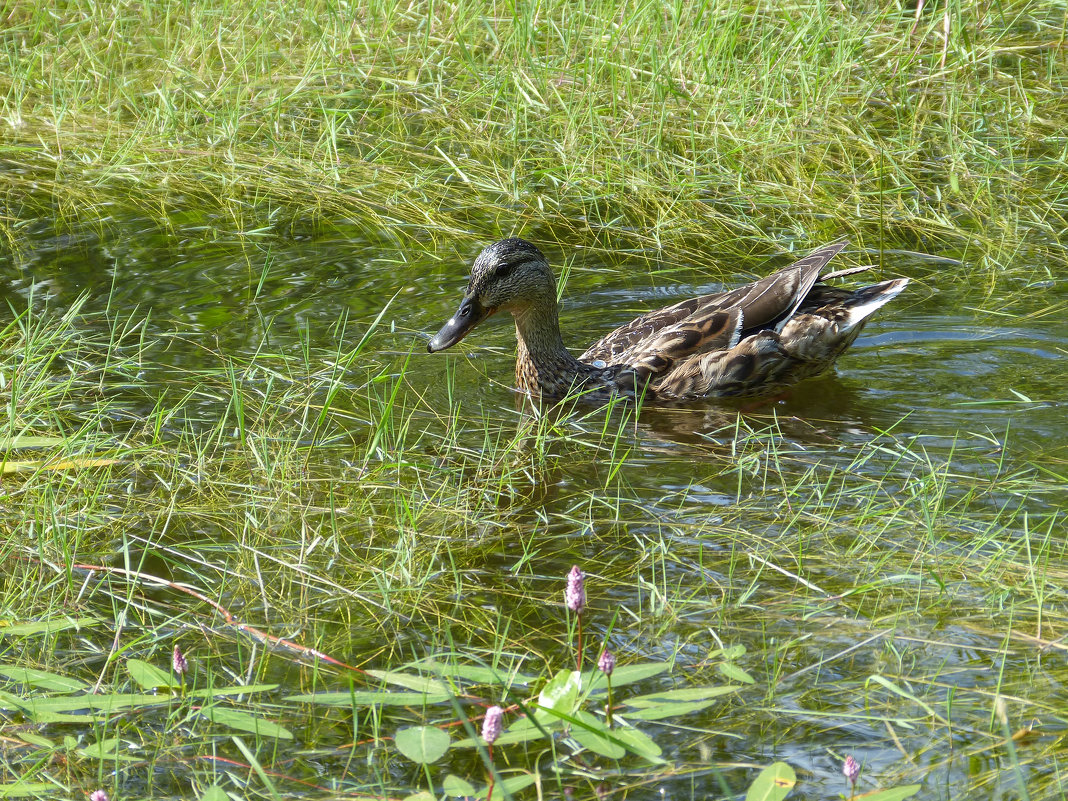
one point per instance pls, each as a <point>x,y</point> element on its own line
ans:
<point>512,275</point>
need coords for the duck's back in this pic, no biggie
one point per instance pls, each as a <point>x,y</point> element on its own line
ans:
<point>711,322</point>
<point>748,341</point>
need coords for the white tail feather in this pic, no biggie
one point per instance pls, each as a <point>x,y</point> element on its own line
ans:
<point>880,295</point>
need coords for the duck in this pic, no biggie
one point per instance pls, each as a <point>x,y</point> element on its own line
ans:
<point>754,340</point>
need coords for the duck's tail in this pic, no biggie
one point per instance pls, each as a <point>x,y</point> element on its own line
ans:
<point>866,300</point>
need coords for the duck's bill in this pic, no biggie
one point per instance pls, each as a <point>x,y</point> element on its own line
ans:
<point>470,314</point>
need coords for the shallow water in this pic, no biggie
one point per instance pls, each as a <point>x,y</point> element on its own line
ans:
<point>946,381</point>
<point>949,358</point>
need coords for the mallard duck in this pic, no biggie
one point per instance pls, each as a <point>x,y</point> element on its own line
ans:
<point>749,341</point>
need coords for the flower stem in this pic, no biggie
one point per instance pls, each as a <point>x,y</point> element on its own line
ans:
<point>578,661</point>
<point>608,705</point>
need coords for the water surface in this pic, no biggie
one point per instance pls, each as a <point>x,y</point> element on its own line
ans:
<point>788,527</point>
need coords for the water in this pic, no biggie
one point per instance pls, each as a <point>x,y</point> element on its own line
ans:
<point>951,391</point>
<point>951,359</point>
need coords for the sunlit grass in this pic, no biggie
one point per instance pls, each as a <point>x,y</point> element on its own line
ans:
<point>882,595</point>
<point>717,128</point>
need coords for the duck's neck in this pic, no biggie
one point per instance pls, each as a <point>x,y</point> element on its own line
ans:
<point>543,365</point>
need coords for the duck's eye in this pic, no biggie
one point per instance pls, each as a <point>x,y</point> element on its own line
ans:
<point>503,270</point>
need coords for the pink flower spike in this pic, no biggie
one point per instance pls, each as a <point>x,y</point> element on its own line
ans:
<point>607,663</point>
<point>851,770</point>
<point>491,726</point>
<point>178,662</point>
<point>575,593</point>
<point>98,795</point>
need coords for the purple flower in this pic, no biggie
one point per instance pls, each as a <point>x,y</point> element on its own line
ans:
<point>850,769</point>
<point>178,661</point>
<point>575,594</point>
<point>98,795</point>
<point>607,662</point>
<point>491,726</point>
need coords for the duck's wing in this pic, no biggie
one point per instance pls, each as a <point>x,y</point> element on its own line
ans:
<point>654,342</point>
<point>753,365</point>
<point>830,319</point>
<point>696,315</point>
<point>826,323</point>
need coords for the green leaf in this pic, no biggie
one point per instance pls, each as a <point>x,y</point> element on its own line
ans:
<point>422,795</point>
<point>670,710</point>
<point>11,701</point>
<point>773,783</point>
<point>593,733</point>
<point>47,626</point>
<point>369,698</point>
<point>674,703</point>
<point>242,721</point>
<point>219,692</point>
<point>622,676</point>
<point>894,793</point>
<point>75,463</point>
<point>101,748</point>
<point>455,787</point>
<point>638,742</point>
<point>29,708</point>
<point>561,693</point>
<point>50,717</point>
<point>214,793</point>
<point>729,653</point>
<point>735,673</point>
<point>594,737</point>
<point>418,683</point>
<point>110,702</point>
<point>29,441</point>
<point>150,677</point>
<point>901,692</point>
<point>41,679</point>
<point>682,694</point>
<point>509,786</point>
<point>422,744</point>
<point>106,749</point>
<point>36,739</point>
<point>23,789</point>
<point>474,673</point>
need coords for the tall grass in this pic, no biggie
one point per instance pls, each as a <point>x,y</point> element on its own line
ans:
<point>704,127</point>
<point>870,591</point>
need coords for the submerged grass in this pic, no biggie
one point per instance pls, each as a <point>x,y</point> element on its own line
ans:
<point>717,128</point>
<point>880,595</point>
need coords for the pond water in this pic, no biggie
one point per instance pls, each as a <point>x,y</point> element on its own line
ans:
<point>795,528</point>
<point>946,361</point>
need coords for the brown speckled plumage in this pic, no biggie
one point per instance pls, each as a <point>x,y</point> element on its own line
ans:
<point>749,341</point>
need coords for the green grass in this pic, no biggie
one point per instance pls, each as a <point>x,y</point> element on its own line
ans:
<point>833,591</point>
<point>717,128</point>
<point>879,592</point>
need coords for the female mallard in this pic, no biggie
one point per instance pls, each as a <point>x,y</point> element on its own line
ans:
<point>750,341</point>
